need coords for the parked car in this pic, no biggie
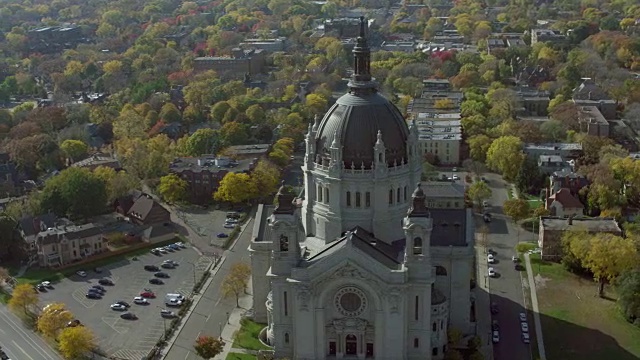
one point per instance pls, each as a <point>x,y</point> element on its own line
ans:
<point>140,300</point>
<point>172,262</point>
<point>162,275</point>
<point>98,287</point>
<point>524,327</point>
<point>525,338</point>
<point>515,259</point>
<point>491,259</point>
<point>167,313</point>
<point>47,284</point>
<point>222,236</point>
<point>105,281</point>
<point>81,273</point>
<point>151,268</point>
<point>74,323</point>
<point>167,266</point>
<point>92,290</point>
<point>156,281</point>
<point>495,325</point>
<point>491,272</point>
<point>496,337</point>
<point>523,317</point>
<point>155,252</point>
<point>97,270</point>
<point>486,217</point>
<point>494,308</point>
<point>455,169</point>
<point>519,267</point>
<point>173,302</point>
<point>93,295</point>
<point>123,303</point>
<point>118,307</point>
<point>231,221</point>
<point>229,226</point>
<point>148,294</point>
<point>129,316</point>
<point>181,244</point>
<point>162,250</point>
<point>174,247</point>
<point>455,177</point>
<point>168,249</point>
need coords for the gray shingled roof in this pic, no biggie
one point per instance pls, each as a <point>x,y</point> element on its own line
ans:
<point>577,224</point>
<point>442,189</point>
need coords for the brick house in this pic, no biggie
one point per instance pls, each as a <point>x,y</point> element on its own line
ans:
<point>564,204</point>
<point>146,211</point>
<point>63,245</point>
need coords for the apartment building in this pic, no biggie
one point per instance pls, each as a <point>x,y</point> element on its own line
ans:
<point>63,245</point>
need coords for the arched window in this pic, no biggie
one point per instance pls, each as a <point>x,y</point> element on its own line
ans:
<point>441,271</point>
<point>286,338</point>
<point>390,196</point>
<point>434,327</point>
<point>320,193</point>
<point>326,195</point>
<point>417,246</point>
<point>348,198</point>
<point>380,157</point>
<point>416,343</point>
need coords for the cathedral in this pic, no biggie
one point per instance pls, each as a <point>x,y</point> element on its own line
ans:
<point>366,262</point>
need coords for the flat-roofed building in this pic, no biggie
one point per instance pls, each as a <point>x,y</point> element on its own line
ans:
<point>440,135</point>
<point>553,228</point>
<point>566,150</point>
<point>270,45</point>
<point>242,62</point>
<point>593,122</point>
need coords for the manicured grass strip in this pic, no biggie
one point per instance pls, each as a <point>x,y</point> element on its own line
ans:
<point>247,336</point>
<point>238,356</point>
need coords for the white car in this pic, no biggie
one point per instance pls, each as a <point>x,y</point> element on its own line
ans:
<point>229,226</point>
<point>173,302</point>
<point>524,327</point>
<point>491,259</point>
<point>496,337</point>
<point>180,244</point>
<point>167,313</point>
<point>523,317</point>
<point>140,300</point>
<point>172,262</point>
<point>231,221</point>
<point>491,272</point>
<point>118,307</point>
<point>525,338</point>
<point>456,177</point>
<point>454,169</point>
<point>81,273</point>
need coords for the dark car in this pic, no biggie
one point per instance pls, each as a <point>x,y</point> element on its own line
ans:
<point>98,287</point>
<point>519,267</point>
<point>97,270</point>
<point>167,266</point>
<point>486,217</point>
<point>156,281</point>
<point>494,325</point>
<point>222,236</point>
<point>41,287</point>
<point>129,316</point>
<point>95,291</point>
<point>123,303</point>
<point>105,282</point>
<point>93,295</point>
<point>162,275</point>
<point>74,323</point>
<point>151,268</point>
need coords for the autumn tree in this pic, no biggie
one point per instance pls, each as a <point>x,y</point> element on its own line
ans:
<point>172,188</point>
<point>54,319</point>
<point>266,176</point>
<point>516,209</point>
<point>236,188</point>
<point>74,149</point>
<point>23,297</point>
<point>505,155</point>
<point>170,113</point>
<point>479,191</point>
<point>118,183</point>
<point>203,141</point>
<point>483,239</point>
<point>235,283</point>
<point>208,347</point>
<point>628,289</point>
<point>75,342</point>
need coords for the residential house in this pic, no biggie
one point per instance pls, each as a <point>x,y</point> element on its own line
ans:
<point>96,160</point>
<point>593,122</point>
<point>567,179</point>
<point>271,45</point>
<point>444,195</point>
<point>158,233</point>
<point>122,204</point>
<point>590,94</point>
<point>547,35</point>
<point>552,228</point>
<point>564,204</point>
<point>534,102</point>
<point>146,211</point>
<point>203,174</point>
<point>533,76</point>
<point>548,164</point>
<point>241,62</point>
<point>52,39</point>
<point>30,226</point>
<point>66,244</point>
<point>343,27</point>
<point>247,151</point>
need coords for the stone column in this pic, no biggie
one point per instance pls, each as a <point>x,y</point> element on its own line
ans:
<point>339,344</point>
<point>361,346</point>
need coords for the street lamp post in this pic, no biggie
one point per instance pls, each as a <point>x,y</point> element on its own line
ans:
<point>220,329</point>
<point>228,318</point>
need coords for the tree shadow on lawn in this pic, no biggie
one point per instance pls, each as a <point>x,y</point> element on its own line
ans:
<point>562,340</point>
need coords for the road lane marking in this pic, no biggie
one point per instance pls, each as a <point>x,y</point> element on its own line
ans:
<point>21,349</point>
<point>25,336</point>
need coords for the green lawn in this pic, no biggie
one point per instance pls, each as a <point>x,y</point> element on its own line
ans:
<point>238,356</point>
<point>36,275</point>
<point>4,296</point>
<point>576,323</point>
<point>247,336</point>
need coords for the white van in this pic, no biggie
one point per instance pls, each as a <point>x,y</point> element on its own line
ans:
<point>174,296</point>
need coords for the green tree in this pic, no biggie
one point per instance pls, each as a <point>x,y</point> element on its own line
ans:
<point>236,188</point>
<point>10,241</point>
<point>234,133</point>
<point>516,209</point>
<point>170,113</point>
<point>208,347</point>
<point>75,342</point>
<point>74,149</point>
<point>256,114</point>
<point>172,188</point>
<point>279,158</point>
<point>628,288</point>
<point>478,146</point>
<point>266,176</point>
<point>316,103</point>
<point>479,191</point>
<point>118,183</point>
<point>75,192</point>
<point>203,141</point>
<point>529,178</point>
<point>505,155</point>
<point>219,110</point>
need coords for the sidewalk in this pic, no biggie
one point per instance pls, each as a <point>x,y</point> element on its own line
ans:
<point>483,301</point>
<point>536,311</point>
<point>233,325</point>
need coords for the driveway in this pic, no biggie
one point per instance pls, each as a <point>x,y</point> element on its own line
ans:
<point>507,288</point>
<point>127,339</point>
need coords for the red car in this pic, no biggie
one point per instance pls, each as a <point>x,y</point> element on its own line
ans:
<point>148,294</point>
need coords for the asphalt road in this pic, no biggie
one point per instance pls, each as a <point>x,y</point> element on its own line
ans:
<point>21,343</point>
<point>127,339</point>
<point>506,289</point>
<point>211,314</point>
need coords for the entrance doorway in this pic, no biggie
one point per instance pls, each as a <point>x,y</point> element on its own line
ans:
<point>369,350</point>
<point>351,345</point>
<point>332,347</point>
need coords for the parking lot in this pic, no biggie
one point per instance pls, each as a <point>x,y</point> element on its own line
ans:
<point>207,223</point>
<point>128,339</point>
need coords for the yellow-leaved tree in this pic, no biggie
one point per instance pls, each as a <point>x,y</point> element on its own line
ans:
<point>236,188</point>
<point>54,319</point>
<point>75,342</point>
<point>23,297</point>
